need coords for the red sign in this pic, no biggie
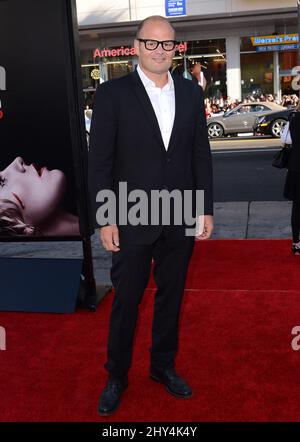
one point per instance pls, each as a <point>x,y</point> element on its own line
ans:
<point>113,52</point>
<point>182,47</point>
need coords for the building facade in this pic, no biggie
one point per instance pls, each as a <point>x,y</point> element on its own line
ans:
<point>242,46</point>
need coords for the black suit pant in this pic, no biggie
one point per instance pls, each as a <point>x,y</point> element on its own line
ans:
<point>130,274</point>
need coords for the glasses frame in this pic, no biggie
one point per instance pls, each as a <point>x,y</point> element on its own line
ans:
<point>158,42</point>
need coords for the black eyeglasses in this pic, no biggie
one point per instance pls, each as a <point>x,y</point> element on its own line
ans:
<point>151,45</point>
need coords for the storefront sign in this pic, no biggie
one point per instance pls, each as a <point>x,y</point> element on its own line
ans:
<point>127,51</point>
<point>277,48</point>
<point>114,52</point>
<point>281,39</point>
<point>175,8</point>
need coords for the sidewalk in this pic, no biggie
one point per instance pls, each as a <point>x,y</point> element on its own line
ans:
<point>257,219</point>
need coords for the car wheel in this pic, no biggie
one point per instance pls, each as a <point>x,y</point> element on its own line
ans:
<point>215,130</point>
<point>277,127</point>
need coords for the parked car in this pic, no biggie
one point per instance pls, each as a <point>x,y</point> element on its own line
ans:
<point>240,119</point>
<point>272,123</point>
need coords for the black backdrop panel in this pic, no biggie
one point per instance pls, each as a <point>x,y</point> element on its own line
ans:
<point>37,289</point>
<point>37,174</point>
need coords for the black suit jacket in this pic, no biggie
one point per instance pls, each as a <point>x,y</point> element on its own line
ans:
<point>126,145</point>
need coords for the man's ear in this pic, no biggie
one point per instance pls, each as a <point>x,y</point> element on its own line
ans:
<point>136,46</point>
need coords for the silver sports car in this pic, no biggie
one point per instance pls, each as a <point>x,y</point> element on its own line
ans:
<point>240,119</point>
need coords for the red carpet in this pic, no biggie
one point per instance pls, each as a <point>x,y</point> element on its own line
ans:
<point>241,303</point>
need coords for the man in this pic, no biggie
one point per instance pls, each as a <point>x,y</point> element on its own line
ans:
<point>198,75</point>
<point>149,131</point>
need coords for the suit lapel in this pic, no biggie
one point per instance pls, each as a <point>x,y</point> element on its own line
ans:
<point>146,104</point>
<point>179,100</point>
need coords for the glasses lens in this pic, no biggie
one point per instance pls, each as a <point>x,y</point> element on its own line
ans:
<point>168,45</point>
<point>151,44</point>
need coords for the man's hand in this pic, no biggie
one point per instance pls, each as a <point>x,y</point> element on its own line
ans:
<point>109,236</point>
<point>206,226</point>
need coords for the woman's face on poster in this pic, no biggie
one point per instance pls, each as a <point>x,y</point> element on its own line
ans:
<point>37,191</point>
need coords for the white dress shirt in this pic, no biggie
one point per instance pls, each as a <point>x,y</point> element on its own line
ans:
<point>163,102</point>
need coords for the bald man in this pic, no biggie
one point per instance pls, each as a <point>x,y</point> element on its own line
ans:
<point>149,131</point>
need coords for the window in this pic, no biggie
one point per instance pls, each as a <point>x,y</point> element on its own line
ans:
<point>259,108</point>
<point>244,109</point>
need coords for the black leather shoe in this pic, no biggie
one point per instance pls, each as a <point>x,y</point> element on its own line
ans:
<point>111,394</point>
<point>173,382</point>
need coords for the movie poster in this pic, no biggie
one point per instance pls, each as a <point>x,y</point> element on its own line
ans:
<point>38,184</point>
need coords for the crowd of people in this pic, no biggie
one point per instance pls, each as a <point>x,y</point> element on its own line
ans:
<point>215,106</point>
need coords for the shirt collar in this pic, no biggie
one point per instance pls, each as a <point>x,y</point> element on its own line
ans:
<point>149,83</point>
